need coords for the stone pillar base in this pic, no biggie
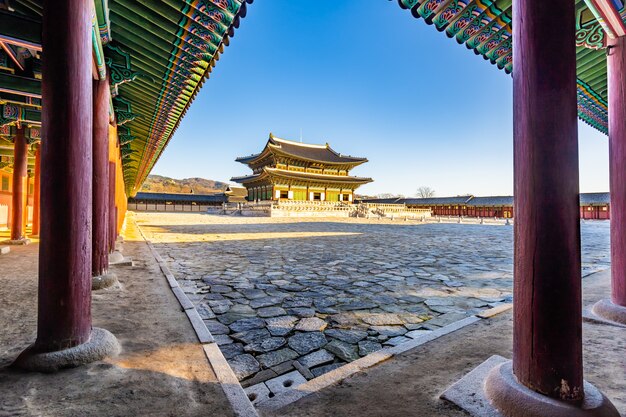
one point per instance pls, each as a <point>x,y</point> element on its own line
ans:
<point>115,257</point>
<point>610,312</point>
<point>101,344</point>
<point>491,390</point>
<point>103,281</point>
<point>22,241</point>
<point>513,399</point>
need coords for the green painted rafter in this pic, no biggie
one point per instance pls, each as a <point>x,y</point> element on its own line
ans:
<point>158,53</point>
<point>484,26</point>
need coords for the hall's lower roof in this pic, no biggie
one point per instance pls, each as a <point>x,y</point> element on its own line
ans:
<point>268,172</point>
<point>484,27</point>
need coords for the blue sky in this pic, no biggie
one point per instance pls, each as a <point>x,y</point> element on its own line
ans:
<point>371,80</point>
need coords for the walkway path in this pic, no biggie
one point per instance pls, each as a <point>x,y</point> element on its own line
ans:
<point>325,293</point>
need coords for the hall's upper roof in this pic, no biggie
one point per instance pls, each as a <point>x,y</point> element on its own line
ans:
<point>303,151</point>
<point>158,54</point>
<point>484,26</point>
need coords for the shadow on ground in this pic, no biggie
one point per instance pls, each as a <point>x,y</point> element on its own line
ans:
<point>162,370</point>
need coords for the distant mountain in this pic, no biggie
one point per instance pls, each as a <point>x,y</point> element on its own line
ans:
<point>160,184</point>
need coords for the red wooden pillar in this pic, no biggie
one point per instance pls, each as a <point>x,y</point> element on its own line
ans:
<point>547,341</point>
<point>18,209</point>
<point>100,231</point>
<point>614,309</point>
<point>547,322</point>
<point>64,318</point>
<point>616,62</point>
<point>65,337</point>
<point>545,377</point>
<point>36,191</point>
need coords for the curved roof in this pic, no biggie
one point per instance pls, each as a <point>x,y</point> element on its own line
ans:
<point>321,177</point>
<point>304,151</point>
<point>496,201</point>
<point>484,26</point>
<point>158,54</point>
<point>174,44</point>
<point>491,201</point>
<point>595,198</point>
<point>283,173</point>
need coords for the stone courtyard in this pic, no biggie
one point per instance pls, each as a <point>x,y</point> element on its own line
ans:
<point>284,295</point>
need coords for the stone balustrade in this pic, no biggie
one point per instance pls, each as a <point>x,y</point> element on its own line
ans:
<point>392,210</point>
<point>297,208</point>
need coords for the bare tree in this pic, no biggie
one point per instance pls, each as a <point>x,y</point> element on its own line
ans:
<point>425,192</point>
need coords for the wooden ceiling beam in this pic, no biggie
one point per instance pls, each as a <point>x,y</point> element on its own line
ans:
<point>21,86</point>
<point>20,30</point>
<point>608,16</point>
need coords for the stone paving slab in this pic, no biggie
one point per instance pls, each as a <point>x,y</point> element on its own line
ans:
<point>257,393</point>
<point>279,290</point>
<point>285,382</point>
<point>468,392</point>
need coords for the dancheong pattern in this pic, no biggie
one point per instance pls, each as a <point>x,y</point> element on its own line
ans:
<point>158,53</point>
<point>484,26</point>
<point>199,34</point>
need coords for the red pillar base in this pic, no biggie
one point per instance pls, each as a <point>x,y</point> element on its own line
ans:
<point>491,390</point>
<point>117,259</point>
<point>101,344</point>
<point>513,399</point>
<point>610,312</point>
<point>22,241</point>
<point>103,281</point>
